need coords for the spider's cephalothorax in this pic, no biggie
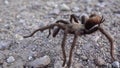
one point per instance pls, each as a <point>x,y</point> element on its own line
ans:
<point>77,28</point>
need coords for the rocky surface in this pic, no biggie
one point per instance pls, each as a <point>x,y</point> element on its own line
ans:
<point>19,18</point>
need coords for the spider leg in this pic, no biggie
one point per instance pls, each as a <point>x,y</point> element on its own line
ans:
<point>49,33</point>
<point>63,46</point>
<point>73,18</point>
<point>44,28</point>
<point>102,20</point>
<point>83,19</point>
<point>71,50</point>
<point>110,40</point>
<point>91,30</point>
<point>55,32</point>
<point>62,21</point>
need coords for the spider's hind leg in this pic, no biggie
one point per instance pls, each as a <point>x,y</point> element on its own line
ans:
<point>71,50</point>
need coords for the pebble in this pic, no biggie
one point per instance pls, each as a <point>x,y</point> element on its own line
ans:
<point>75,9</point>
<point>21,20</point>
<point>19,63</point>
<point>40,62</point>
<point>6,2</point>
<point>64,7</point>
<point>52,4</point>
<point>58,64</point>
<point>30,58</point>
<point>100,62</point>
<point>18,37</point>
<point>78,51</point>
<point>102,5</point>
<point>55,12</point>
<point>95,38</point>
<point>115,64</point>
<point>10,59</point>
<point>84,58</point>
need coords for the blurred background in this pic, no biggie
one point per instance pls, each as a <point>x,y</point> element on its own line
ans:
<point>20,17</point>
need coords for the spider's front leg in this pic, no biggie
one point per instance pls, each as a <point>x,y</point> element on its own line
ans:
<point>110,40</point>
<point>44,28</point>
<point>71,50</point>
<point>73,18</point>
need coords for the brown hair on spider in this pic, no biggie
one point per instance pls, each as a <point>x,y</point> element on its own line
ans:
<point>92,20</point>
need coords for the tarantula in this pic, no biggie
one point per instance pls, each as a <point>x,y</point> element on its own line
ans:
<point>77,28</point>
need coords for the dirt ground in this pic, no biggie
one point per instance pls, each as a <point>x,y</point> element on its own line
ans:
<point>20,17</point>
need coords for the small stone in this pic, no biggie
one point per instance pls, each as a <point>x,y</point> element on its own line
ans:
<point>30,58</point>
<point>78,52</point>
<point>76,9</point>
<point>21,20</point>
<point>84,58</point>
<point>33,49</point>
<point>101,4</point>
<point>19,63</point>
<point>100,62</point>
<point>10,59</point>
<point>52,4</point>
<point>78,65</point>
<point>6,2</point>
<point>64,7</point>
<point>58,64</point>
<point>115,64</point>
<point>18,37</point>
<point>40,62</point>
<point>55,12</point>
<point>95,38</point>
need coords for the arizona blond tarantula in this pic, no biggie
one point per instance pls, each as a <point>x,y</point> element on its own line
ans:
<point>77,28</point>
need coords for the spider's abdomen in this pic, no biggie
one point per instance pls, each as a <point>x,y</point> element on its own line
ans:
<point>92,21</point>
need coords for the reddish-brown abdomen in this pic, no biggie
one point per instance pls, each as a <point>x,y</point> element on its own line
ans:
<point>92,21</point>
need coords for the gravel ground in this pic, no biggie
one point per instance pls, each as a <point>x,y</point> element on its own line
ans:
<point>21,17</point>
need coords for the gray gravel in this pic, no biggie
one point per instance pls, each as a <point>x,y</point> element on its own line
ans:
<point>21,17</point>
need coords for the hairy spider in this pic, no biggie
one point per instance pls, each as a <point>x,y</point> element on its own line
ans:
<point>77,28</point>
